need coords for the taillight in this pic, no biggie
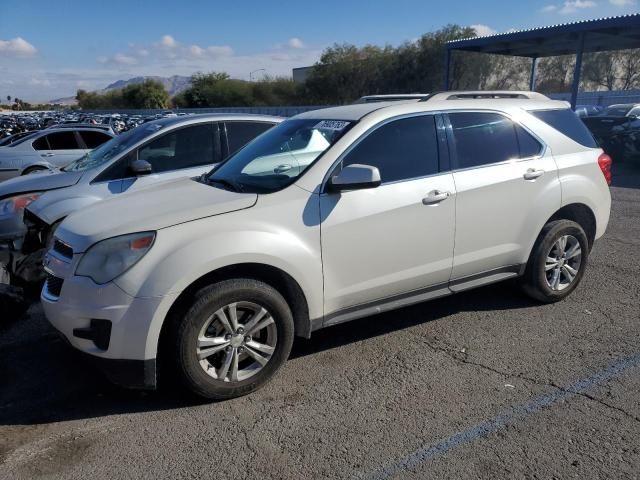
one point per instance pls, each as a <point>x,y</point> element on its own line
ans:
<point>604,162</point>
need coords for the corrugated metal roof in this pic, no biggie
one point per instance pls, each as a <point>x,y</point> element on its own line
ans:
<point>602,34</point>
<point>594,22</point>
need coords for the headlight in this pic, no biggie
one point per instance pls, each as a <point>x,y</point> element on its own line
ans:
<point>110,258</point>
<point>14,205</point>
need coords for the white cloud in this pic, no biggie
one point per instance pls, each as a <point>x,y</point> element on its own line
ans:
<point>483,30</point>
<point>118,59</point>
<point>213,51</point>
<point>155,57</point>
<point>17,47</point>
<point>572,6</point>
<point>39,82</point>
<point>123,59</point>
<point>295,42</point>
<point>167,41</point>
<point>622,3</point>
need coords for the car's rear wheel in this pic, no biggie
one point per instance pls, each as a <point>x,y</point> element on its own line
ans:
<point>233,339</point>
<point>557,262</point>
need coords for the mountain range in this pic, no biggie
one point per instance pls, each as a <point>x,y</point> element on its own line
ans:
<point>173,85</point>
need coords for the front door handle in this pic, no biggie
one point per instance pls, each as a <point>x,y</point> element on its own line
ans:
<point>532,174</point>
<point>282,168</point>
<point>49,154</point>
<point>434,197</point>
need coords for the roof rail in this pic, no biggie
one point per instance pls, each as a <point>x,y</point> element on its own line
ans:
<point>490,94</point>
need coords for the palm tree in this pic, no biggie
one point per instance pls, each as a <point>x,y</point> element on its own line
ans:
<point>8,98</point>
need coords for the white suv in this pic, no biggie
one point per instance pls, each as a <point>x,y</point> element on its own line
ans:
<point>332,215</point>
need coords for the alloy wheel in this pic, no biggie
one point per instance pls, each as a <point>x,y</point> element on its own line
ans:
<point>563,262</point>
<point>236,342</point>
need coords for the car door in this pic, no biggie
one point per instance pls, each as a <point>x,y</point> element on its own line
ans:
<point>395,240</point>
<point>504,178</point>
<point>59,148</point>
<point>184,152</point>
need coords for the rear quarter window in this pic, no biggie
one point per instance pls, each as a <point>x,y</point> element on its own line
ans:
<point>568,123</point>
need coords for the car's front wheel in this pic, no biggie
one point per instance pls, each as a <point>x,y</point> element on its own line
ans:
<point>233,338</point>
<point>557,262</point>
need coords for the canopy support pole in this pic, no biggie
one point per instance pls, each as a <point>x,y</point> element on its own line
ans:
<point>534,74</point>
<point>447,67</point>
<point>576,72</point>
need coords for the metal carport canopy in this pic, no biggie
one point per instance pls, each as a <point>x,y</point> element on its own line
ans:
<point>600,35</point>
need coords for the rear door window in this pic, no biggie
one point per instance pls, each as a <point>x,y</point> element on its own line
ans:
<point>241,133</point>
<point>63,141</point>
<point>529,146</point>
<point>482,138</point>
<point>567,123</point>
<point>40,144</point>
<point>94,139</point>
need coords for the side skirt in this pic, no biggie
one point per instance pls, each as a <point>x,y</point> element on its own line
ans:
<point>418,296</point>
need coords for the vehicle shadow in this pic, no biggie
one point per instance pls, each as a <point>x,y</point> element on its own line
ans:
<point>44,381</point>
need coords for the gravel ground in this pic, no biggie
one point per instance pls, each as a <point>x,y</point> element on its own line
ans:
<point>482,384</point>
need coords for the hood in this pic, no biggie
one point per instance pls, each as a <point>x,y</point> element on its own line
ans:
<point>159,206</point>
<point>38,182</point>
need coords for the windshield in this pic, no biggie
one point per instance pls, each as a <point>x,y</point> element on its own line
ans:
<point>112,148</point>
<point>279,156</point>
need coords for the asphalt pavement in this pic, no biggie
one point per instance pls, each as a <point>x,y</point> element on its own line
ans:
<point>484,384</point>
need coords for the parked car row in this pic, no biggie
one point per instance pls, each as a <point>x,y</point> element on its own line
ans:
<point>19,123</point>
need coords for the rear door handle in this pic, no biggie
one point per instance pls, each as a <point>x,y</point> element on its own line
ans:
<point>435,196</point>
<point>532,174</point>
<point>49,154</point>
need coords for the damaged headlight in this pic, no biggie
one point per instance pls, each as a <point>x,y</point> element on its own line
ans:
<point>110,258</point>
<point>15,205</point>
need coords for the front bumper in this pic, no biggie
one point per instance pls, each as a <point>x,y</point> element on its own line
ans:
<point>74,305</point>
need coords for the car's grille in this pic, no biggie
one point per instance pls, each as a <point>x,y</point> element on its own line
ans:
<point>62,248</point>
<point>54,285</point>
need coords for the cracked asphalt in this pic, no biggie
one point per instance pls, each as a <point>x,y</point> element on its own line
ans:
<point>485,384</point>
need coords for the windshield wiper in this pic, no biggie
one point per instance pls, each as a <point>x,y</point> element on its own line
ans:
<point>230,185</point>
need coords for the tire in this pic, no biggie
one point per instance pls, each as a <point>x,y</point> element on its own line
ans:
<point>539,281</point>
<point>206,377</point>
<point>33,170</point>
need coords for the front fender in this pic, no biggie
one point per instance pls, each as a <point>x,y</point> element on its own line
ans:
<point>185,253</point>
<point>53,210</point>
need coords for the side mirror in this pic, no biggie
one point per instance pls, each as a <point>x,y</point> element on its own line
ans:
<point>140,167</point>
<point>355,177</point>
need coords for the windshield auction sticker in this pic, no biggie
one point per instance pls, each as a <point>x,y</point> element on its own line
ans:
<point>331,125</point>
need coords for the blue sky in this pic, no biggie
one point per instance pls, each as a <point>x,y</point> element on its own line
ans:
<point>50,48</point>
